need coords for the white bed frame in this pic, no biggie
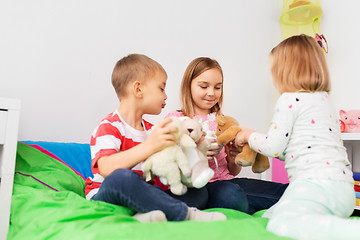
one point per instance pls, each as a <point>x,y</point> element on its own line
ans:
<point>9,122</point>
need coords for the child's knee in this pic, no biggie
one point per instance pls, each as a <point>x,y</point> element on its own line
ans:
<point>227,189</point>
<point>228,195</point>
<point>122,175</point>
<point>123,172</point>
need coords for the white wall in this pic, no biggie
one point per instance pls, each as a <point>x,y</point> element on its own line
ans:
<point>57,56</point>
<point>340,24</point>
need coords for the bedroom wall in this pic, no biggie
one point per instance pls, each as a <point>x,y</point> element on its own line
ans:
<point>340,24</point>
<point>57,56</point>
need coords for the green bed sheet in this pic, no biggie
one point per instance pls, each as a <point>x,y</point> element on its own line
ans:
<point>48,203</point>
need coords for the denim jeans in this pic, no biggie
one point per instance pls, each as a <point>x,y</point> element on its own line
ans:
<point>126,188</point>
<point>260,194</point>
<point>242,194</point>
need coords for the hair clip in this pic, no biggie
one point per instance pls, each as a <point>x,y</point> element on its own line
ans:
<point>321,40</point>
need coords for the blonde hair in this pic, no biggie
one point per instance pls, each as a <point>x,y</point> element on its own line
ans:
<point>195,68</point>
<point>299,65</point>
<point>133,67</point>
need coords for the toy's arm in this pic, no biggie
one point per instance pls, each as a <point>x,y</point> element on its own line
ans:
<point>228,135</point>
<point>187,141</point>
<point>204,145</point>
<point>183,164</point>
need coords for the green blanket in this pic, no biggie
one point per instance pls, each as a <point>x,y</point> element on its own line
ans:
<point>48,203</point>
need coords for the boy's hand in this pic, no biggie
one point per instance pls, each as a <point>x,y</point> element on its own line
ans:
<point>243,137</point>
<point>161,135</point>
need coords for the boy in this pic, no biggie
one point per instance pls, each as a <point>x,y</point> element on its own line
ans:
<point>123,139</point>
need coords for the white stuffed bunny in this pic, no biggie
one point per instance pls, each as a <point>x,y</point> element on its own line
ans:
<point>171,163</point>
<point>201,173</point>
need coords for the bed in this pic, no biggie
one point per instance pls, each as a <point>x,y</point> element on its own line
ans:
<point>48,203</point>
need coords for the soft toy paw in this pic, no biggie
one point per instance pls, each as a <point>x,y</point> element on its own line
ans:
<point>227,128</point>
<point>201,173</point>
<point>171,163</point>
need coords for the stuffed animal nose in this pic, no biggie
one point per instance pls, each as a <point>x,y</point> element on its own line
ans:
<point>190,130</point>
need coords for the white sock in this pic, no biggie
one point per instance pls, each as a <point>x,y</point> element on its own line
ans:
<point>152,216</point>
<point>195,214</point>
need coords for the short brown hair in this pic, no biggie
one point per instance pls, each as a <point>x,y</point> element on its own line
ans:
<point>195,68</point>
<point>298,64</point>
<point>133,67</point>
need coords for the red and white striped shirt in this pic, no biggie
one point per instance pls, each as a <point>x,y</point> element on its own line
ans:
<point>112,135</point>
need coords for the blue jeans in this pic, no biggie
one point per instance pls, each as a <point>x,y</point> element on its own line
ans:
<point>242,194</point>
<point>126,188</point>
<point>260,194</point>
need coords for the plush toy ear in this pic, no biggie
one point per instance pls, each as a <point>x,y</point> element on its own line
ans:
<point>183,118</point>
<point>342,114</point>
<point>199,119</point>
<point>187,141</point>
<point>176,122</point>
<point>220,120</point>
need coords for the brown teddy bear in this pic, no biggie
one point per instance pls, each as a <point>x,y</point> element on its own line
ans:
<point>227,128</point>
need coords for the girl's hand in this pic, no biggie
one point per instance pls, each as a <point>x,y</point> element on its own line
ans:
<point>213,150</point>
<point>161,135</point>
<point>231,152</point>
<point>243,137</point>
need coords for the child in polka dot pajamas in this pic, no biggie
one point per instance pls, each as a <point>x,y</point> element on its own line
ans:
<point>305,133</point>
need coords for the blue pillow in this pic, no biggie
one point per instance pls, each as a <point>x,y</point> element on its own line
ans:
<point>76,155</point>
